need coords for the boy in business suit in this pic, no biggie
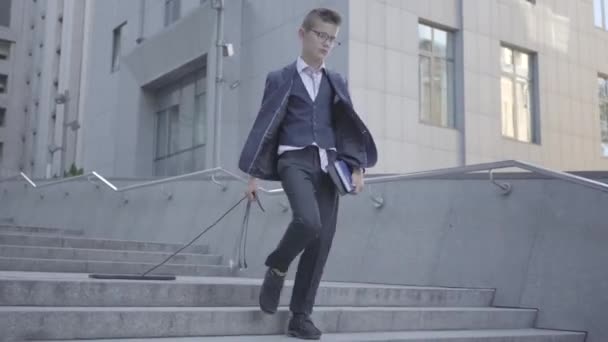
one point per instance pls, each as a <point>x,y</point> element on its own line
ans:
<point>306,121</point>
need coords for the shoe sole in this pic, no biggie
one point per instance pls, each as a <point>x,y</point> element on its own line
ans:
<point>266,311</point>
<point>296,335</point>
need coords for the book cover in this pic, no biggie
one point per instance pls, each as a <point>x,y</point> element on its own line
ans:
<point>345,175</point>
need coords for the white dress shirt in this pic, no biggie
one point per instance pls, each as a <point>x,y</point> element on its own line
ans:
<point>312,81</point>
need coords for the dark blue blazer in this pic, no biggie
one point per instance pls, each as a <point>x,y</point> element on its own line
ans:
<point>354,142</point>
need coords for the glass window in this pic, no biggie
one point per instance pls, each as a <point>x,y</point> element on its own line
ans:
<point>117,46</point>
<point>600,13</point>
<point>172,11</point>
<point>507,60</point>
<point>506,88</point>
<point>5,49</point>
<point>523,112</point>
<point>522,64</point>
<point>425,88</point>
<point>200,104</point>
<point>174,143</point>
<point>425,37</point>
<point>3,84</point>
<point>5,13</point>
<point>162,134</point>
<point>181,125</point>
<point>2,117</point>
<point>603,103</point>
<point>1,152</point>
<point>200,119</point>
<point>436,76</point>
<point>517,91</point>
<point>440,43</point>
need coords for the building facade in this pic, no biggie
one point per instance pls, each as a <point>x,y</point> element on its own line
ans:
<point>43,86</point>
<point>11,125</point>
<point>440,83</point>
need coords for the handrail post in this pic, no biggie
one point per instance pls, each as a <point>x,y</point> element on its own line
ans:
<point>218,183</point>
<point>105,181</point>
<point>28,179</point>
<point>505,187</point>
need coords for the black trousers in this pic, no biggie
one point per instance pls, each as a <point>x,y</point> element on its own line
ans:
<point>314,204</point>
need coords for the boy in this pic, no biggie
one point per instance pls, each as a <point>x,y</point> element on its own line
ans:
<point>306,121</point>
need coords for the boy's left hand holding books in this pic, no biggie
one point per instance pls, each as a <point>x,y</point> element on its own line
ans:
<point>358,180</point>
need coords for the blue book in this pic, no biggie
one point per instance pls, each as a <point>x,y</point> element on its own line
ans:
<point>342,177</point>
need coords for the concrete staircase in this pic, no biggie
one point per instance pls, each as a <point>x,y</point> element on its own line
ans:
<point>45,294</point>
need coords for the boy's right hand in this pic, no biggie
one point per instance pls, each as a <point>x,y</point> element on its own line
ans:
<point>252,188</point>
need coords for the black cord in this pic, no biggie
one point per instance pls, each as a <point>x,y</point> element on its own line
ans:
<point>204,231</point>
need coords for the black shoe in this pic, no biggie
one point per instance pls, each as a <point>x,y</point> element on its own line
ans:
<point>270,293</point>
<point>301,326</point>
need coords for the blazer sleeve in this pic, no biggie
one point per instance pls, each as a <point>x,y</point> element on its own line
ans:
<point>269,87</point>
<point>255,133</point>
<point>352,163</point>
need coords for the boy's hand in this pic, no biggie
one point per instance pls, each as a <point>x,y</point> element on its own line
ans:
<point>358,181</point>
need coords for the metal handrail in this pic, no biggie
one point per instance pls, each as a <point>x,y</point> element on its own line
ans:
<point>493,166</point>
<point>94,174</point>
<point>490,167</point>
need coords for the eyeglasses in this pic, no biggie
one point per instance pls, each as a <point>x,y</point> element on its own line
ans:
<point>326,37</point>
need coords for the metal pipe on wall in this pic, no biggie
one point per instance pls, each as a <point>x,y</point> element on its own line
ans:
<point>219,46</point>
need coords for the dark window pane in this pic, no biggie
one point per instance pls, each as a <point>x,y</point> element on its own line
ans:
<point>5,13</point>
<point>5,49</point>
<point>117,46</point>
<point>161,134</point>
<point>200,118</point>
<point>172,11</point>
<point>3,84</point>
<point>174,129</point>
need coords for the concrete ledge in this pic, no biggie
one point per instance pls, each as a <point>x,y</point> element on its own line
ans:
<point>98,322</point>
<point>105,255</point>
<point>222,292</point>
<point>80,242</point>
<point>498,335</point>
<point>10,228</point>
<point>112,267</point>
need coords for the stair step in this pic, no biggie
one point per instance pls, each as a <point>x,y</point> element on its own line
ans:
<point>20,251</point>
<point>81,242</point>
<point>498,335</point>
<point>142,322</point>
<point>79,290</point>
<point>10,228</point>
<point>112,267</point>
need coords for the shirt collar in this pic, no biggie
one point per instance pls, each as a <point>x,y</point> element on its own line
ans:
<point>301,65</point>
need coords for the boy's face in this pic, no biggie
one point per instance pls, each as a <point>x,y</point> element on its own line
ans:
<point>318,41</point>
